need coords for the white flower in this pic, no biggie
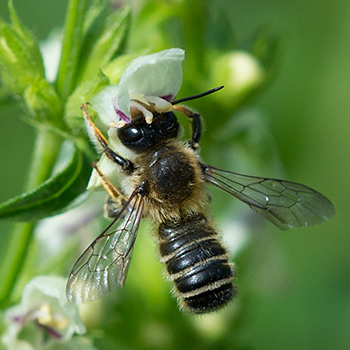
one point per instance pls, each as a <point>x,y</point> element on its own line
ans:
<point>43,311</point>
<point>148,85</point>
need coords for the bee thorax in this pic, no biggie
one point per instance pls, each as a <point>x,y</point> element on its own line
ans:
<point>175,182</point>
<point>172,177</point>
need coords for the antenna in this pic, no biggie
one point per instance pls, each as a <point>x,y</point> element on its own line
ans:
<point>180,100</point>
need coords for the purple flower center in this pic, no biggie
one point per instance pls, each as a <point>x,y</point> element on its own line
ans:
<point>168,98</point>
<point>122,115</point>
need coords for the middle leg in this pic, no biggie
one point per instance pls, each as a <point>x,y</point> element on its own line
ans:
<point>196,124</point>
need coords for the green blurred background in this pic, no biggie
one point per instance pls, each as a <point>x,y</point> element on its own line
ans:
<point>307,110</point>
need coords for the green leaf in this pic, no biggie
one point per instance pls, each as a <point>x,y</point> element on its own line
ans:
<point>6,98</point>
<point>72,41</point>
<point>94,17</point>
<point>20,58</point>
<point>108,44</point>
<point>53,195</point>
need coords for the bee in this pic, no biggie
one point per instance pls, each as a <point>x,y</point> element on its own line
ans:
<point>165,180</point>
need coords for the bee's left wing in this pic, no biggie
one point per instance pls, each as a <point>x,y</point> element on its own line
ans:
<point>104,264</point>
<point>286,204</point>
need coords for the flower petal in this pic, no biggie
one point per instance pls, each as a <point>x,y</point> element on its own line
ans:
<point>51,291</point>
<point>161,105</point>
<point>159,74</point>
<point>122,99</point>
<point>103,103</point>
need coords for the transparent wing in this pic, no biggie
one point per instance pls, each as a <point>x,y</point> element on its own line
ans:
<point>286,204</point>
<point>104,264</point>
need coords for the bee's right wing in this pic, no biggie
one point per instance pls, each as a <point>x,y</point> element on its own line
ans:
<point>286,204</point>
<point>104,264</point>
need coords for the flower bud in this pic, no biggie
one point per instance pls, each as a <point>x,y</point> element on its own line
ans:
<point>240,73</point>
<point>20,58</point>
<point>43,102</point>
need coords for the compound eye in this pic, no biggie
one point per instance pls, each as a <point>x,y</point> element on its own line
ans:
<point>130,134</point>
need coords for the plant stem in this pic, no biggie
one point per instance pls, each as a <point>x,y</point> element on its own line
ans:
<point>44,156</point>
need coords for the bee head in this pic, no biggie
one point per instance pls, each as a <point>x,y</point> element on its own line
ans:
<point>139,136</point>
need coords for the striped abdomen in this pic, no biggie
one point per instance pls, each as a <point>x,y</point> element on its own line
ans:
<point>197,263</point>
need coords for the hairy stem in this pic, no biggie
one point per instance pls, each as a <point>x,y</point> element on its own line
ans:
<point>44,156</point>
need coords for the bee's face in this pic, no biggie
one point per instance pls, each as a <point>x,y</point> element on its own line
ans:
<point>140,136</point>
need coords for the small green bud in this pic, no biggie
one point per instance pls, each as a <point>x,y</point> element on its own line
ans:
<point>240,73</point>
<point>20,58</point>
<point>43,102</point>
<point>82,94</point>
